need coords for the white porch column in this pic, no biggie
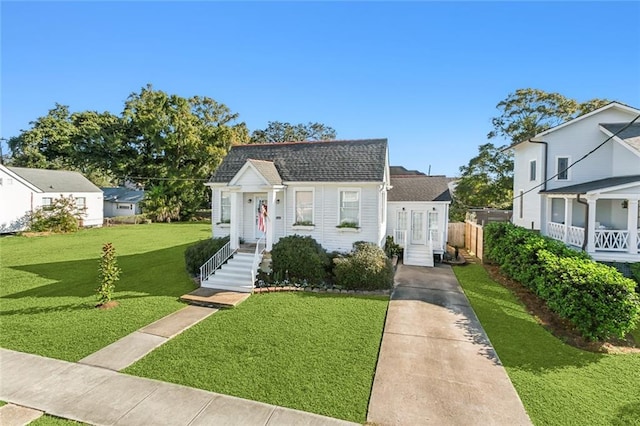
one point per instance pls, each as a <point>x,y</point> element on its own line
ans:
<point>271,212</point>
<point>568,212</point>
<point>544,226</point>
<point>591,227</point>
<point>234,230</point>
<point>632,225</point>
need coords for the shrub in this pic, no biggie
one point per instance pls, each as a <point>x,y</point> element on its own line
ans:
<point>367,268</point>
<point>62,215</point>
<point>196,255</point>
<point>391,248</point>
<point>299,258</point>
<point>109,273</point>
<point>596,298</point>
<point>635,271</point>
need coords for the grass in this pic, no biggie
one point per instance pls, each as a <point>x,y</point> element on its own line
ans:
<point>558,384</point>
<point>47,296</point>
<point>312,352</point>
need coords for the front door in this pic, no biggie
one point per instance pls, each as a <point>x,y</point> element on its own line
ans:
<point>260,221</point>
<point>417,227</point>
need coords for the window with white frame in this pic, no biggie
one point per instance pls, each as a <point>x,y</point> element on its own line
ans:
<point>401,222</point>
<point>81,203</point>
<point>532,170</point>
<point>225,207</point>
<point>46,203</point>
<point>350,207</point>
<point>562,168</point>
<point>304,207</point>
<point>124,206</point>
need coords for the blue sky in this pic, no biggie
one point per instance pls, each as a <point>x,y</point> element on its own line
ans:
<point>425,75</point>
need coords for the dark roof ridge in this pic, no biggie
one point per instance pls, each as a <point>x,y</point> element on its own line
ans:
<point>309,142</point>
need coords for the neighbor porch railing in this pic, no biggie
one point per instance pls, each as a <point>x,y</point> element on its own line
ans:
<point>604,239</point>
<point>257,257</point>
<point>612,239</point>
<point>215,262</point>
<point>575,236</point>
<point>400,237</point>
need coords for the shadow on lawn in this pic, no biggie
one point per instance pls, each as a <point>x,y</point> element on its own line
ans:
<point>521,342</point>
<point>154,273</point>
<point>628,414</point>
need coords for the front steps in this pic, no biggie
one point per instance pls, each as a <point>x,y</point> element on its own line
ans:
<point>418,255</point>
<point>235,275</point>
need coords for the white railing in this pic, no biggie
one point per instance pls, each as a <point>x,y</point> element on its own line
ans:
<point>400,237</point>
<point>575,236</point>
<point>215,262</point>
<point>257,257</point>
<point>555,230</point>
<point>611,239</point>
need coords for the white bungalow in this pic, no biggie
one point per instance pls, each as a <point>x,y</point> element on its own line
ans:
<point>335,192</point>
<point>593,204</point>
<point>23,190</point>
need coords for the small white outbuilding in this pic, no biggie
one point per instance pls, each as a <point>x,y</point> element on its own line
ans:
<point>23,190</point>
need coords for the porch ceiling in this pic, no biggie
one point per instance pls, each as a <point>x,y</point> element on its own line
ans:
<point>601,185</point>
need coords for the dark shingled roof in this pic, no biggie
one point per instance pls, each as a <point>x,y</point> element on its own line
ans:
<point>123,195</point>
<point>631,135</point>
<point>55,180</point>
<point>583,188</point>
<point>399,170</point>
<point>419,188</point>
<point>334,161</point>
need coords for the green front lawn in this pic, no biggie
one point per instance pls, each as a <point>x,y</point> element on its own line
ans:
<point>558,384</point>
<point>308,351</point>
<point>47,296</point>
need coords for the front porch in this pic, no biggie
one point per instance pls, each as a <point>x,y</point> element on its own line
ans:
<point>606,228</point>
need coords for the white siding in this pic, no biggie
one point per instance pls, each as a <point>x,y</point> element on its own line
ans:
<point>94,204</point>
<point>111,209</point>
<point>531,204</point>
<point>15,203</point>
<point>250,178</point>
<point>578,139</point>
<point>624,161</point>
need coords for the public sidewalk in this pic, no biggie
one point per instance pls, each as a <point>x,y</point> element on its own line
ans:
<point>436,364</point>
<point>101,396</point>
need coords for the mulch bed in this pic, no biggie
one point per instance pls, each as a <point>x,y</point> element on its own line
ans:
<point>559,327</point>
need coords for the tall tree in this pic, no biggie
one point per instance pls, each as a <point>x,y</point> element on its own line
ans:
<point>527,112</point>
<point>277,131</point>
<point>487,181</point>
<point>179,143</point>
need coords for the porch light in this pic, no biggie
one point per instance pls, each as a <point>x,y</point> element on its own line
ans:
<point>278,201</point>
<point>625,204</point>
<point>249,200</point>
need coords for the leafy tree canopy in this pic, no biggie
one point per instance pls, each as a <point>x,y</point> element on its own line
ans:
<point>527,112</point>
<point>277,131</point>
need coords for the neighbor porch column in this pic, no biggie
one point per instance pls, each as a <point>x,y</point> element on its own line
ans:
<point>544,226</point>
<point>568,212</point>
<point>591,227</point>
<point>271,205</point>
<point>234,226</point>
<point>632,225</point>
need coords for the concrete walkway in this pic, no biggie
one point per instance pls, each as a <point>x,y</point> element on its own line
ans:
<point>436,364</point>
<point>101,396</point>
<point>124,352</point>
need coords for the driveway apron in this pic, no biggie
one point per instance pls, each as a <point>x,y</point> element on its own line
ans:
<point>436,363</point>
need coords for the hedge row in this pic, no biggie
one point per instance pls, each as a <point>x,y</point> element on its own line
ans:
<point>196,255</point>
<point>597,299</point>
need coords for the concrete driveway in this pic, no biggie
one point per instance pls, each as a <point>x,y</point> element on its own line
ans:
<point>436,364</point>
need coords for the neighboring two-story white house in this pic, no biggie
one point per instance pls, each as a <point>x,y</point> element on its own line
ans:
<point>336,192</point>
<point>592,205</point>
<point>23,190</point>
